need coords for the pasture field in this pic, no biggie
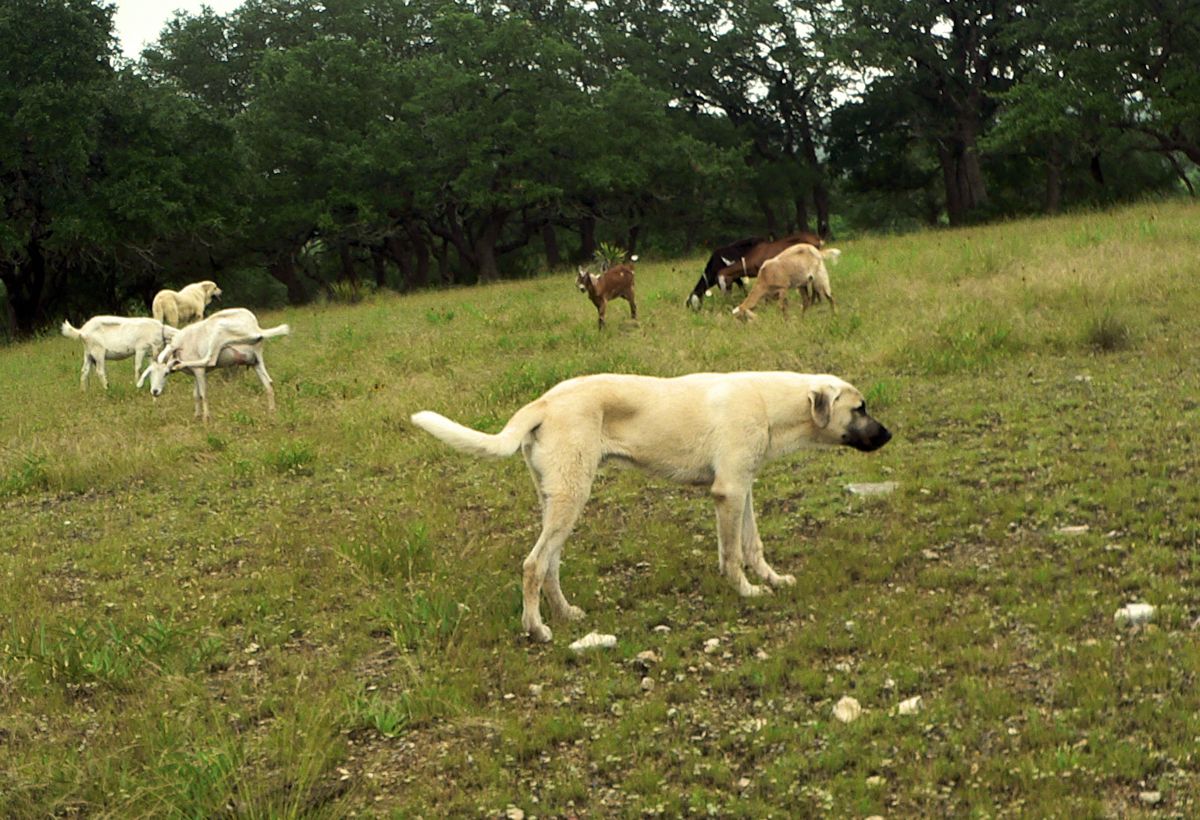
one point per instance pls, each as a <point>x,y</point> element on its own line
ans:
<point>316,613</point>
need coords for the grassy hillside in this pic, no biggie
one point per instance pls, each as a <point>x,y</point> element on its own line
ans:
<point>317,613</point>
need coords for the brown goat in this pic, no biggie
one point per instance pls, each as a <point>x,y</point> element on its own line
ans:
<point>614,283</point>
<point>749,264</point>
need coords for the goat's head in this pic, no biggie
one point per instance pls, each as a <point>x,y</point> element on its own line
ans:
<point>582,279</point>
<point>157,373</point>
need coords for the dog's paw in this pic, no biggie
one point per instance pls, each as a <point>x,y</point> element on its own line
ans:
<point>753,591</point>
<point>784,581</point>
<point>573,613</point>
<point>540,633</point>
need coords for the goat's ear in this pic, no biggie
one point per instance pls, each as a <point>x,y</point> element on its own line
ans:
<point>822,405</point>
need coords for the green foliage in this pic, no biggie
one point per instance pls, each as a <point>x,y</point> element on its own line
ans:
<point>607,255</point>
<point>29,474</point>
<point>289,150</point>
<point>292,458</point>
<point>1107,332</point>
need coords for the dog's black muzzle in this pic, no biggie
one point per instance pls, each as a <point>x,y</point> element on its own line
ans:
<point>867,437</point>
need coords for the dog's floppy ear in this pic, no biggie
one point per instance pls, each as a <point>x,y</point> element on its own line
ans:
<point>822,405</point>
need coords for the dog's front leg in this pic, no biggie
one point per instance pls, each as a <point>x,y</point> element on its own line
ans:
<point>753,547</point>
<point>731,505</point>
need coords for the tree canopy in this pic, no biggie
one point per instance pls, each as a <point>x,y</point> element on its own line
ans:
<point>292,145</point>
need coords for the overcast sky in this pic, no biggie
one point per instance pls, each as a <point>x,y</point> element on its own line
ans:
<point>139,22</point>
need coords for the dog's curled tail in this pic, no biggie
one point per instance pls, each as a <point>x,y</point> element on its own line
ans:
<point>69,331</point>
<point>504,443</point>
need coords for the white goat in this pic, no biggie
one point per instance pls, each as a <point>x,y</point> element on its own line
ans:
<point>228,338</point>
<point>182,306</point>
<point>117,337</point>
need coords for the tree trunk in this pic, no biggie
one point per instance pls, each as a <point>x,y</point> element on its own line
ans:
<point>689,237</point>
<point>25,285</point>
<point>421,249</point>
<point>801,213</point>
<point>485,246</point>
<point>550,243</point>
<point>346,259</point>
<point>820,192</point>
<point>821,200</point>
<point>395,250</point>
<point>955,210</point>
<point>769,216</point>
<point>283,269</point>
<point>631,241</point>
<point>20,306</point>
<point>971,182</point>
<point>445,272</point>
<point>1054,166</point>
<point>379,263</point>
<point>587,237</point>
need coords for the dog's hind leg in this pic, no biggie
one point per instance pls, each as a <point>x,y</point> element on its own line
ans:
<point>753,547</point>
<point>558,602</point>
<point>559,514</point>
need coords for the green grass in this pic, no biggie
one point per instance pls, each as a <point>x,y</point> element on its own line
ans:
<point>316,612</point>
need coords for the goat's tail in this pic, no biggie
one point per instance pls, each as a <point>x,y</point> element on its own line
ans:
<point>831,254</point>
<point>70,332</point>
<point>278,330</point>
<point>504,443</point>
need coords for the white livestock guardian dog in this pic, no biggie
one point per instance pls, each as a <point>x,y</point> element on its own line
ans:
<point>228,338</point>
<point>182,306</point>
<point>118,337</point>
<point>714,429</point>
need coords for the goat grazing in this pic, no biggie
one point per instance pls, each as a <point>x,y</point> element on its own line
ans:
<point>742,259</point>
<point>614,283</point>
<point>180,307</point>
<point>228,338</point>
<point>800,266</point>
<point>721,258</point>
<point>117,337</point>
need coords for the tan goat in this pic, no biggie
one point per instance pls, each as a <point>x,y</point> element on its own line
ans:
<point>800,266</point>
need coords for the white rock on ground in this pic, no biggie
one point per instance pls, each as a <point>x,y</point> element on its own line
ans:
<point>847,710</point>
<point>910,706</point>
<point>594,640</point>
<point>1134,614</point>
<point>872,488</point>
